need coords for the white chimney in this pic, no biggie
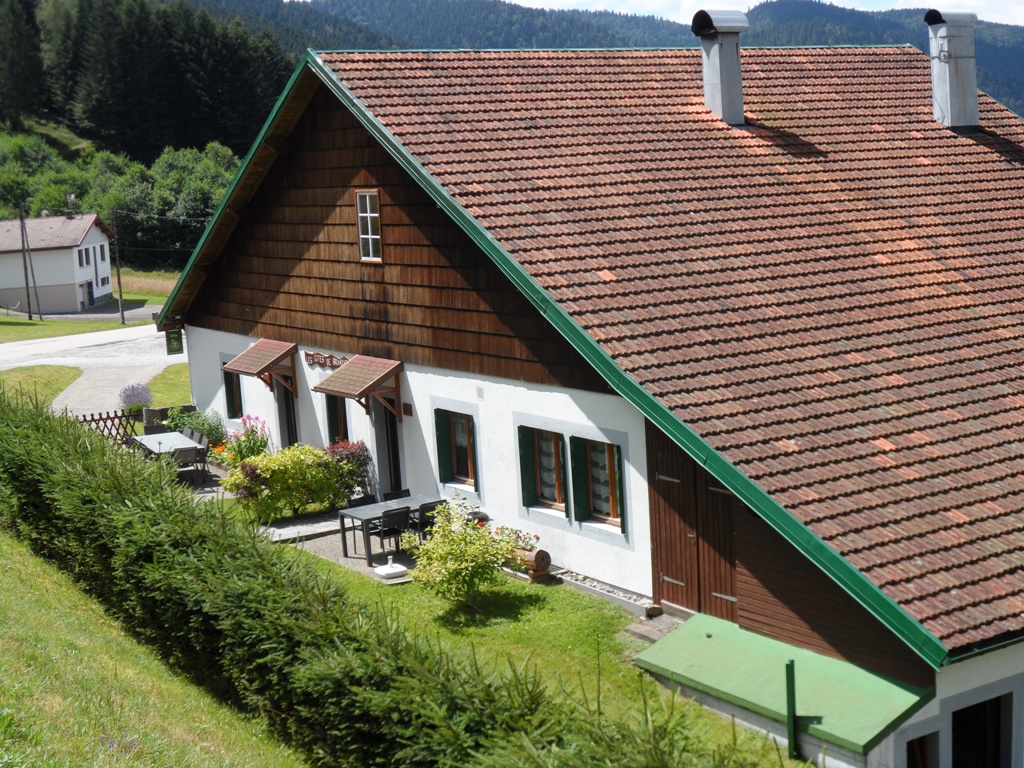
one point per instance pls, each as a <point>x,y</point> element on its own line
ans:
<point>719,33</point>
<point>954,72</point>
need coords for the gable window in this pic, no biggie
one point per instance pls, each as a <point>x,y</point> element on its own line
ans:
<point>456,447</point>
<point>542,464</point>
<point>233,395</point>
<point>103,252</point>
<point>368,217</point>
<point>81,257</point>
<point>597,481</point>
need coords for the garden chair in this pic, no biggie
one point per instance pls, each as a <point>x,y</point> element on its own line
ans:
<point>392,525</point>
<point>423,519</point>
<point>153,429</point>
<point>404,493</point>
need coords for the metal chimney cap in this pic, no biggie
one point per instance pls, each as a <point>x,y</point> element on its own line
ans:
<point>934,17</point>
<point>714,22</point>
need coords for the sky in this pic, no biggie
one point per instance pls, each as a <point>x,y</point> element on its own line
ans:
<point>1002,11</point>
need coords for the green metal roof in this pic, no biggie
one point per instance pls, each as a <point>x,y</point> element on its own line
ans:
<point>835,701</point>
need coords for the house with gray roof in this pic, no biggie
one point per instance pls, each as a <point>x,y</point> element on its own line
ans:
<point>66,265</point>
<point>740,331</point>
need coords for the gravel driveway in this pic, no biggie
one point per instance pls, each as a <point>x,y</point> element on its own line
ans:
<point>109,360</point>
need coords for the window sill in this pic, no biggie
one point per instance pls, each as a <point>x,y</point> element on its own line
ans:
<point>547,513</point>
<point>604,529</point>
<point>462,489</point>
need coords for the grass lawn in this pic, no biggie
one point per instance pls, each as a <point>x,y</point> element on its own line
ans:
<point>576,642</point>
<point>171,386</point>
<point>75,690</point>
<point>20,328</point>
<point>44,382</point>
<point>148,287</point>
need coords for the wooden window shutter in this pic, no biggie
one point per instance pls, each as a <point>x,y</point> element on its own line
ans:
<point>442,431</point>
<point>527,466</point>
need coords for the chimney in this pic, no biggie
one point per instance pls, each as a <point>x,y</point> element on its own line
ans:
<point>954,73</point>
<point>719,33</point>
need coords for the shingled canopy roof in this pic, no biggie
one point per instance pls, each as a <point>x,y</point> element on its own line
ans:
<point>830,298</point>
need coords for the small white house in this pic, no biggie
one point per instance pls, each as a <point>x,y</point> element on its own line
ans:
<point>69,265</point>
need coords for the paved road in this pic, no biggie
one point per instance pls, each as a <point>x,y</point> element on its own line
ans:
<point>109,361</point>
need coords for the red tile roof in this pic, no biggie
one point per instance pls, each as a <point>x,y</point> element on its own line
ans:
<point>832,296</point>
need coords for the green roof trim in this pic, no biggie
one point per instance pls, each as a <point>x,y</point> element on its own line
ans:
<point>884,608</point>
<point>835,700</point>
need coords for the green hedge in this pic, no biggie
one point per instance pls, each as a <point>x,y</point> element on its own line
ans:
<point>255,623</point>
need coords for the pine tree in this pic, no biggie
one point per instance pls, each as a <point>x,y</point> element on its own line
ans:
<point>21,66</point>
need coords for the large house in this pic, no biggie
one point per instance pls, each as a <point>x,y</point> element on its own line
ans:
<point>740,333</point>
<point>66,267</point>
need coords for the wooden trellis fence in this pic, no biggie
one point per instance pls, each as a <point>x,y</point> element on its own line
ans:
<point>119,425</point>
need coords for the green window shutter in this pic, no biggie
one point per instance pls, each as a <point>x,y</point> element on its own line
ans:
<point>565,463</point>
<point>619,489</point>
<point>472,447</point>
<point>528,466</point>
<point>442,430</point>
<point>580,486</point>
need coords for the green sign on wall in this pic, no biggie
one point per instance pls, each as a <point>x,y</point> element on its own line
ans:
<point>175,346</point>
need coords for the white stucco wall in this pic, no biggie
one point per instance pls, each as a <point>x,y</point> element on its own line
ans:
<point>498,407</point>
<point>963,684</point>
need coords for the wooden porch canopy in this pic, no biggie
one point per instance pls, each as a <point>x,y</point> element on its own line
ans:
<point>364,376</point>
<point>267,360</point>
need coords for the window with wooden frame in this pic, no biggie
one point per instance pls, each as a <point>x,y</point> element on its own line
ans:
<point>233,395</point>
<point>597,481</point>
<point>542,465</point>
<point>368,218</point>
<point>456,447</point>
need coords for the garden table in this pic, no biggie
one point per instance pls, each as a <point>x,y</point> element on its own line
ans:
<point>166,442</point>
<point>367,513</point>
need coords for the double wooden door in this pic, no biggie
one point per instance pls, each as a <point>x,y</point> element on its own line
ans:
<point>692,532</point>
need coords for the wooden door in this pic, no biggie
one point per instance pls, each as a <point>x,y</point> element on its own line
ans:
<point>692,532</point>
<point>673,521</point>
<point>716,558</point>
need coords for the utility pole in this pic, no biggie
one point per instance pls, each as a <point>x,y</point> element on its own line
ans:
<point>117,262</point>
<point>24,256</point>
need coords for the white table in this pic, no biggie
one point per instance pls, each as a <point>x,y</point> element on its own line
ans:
<point>166,442</point>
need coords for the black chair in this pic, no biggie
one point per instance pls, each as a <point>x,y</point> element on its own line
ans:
<point>153,429</point>
<point>392,495</point>
<point>187,466</point>
<point>202,456</point>
<point>347,524</point>
<point>423,519</point>
<point>392,525</point>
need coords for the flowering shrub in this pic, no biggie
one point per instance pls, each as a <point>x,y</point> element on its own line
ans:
<point>134,397</point>
<point>208,424</point>
<point>252,441</point>
<point>524,541</point>
<point>297,479</point>
<point>462,556</point>
<point>358,455</point>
